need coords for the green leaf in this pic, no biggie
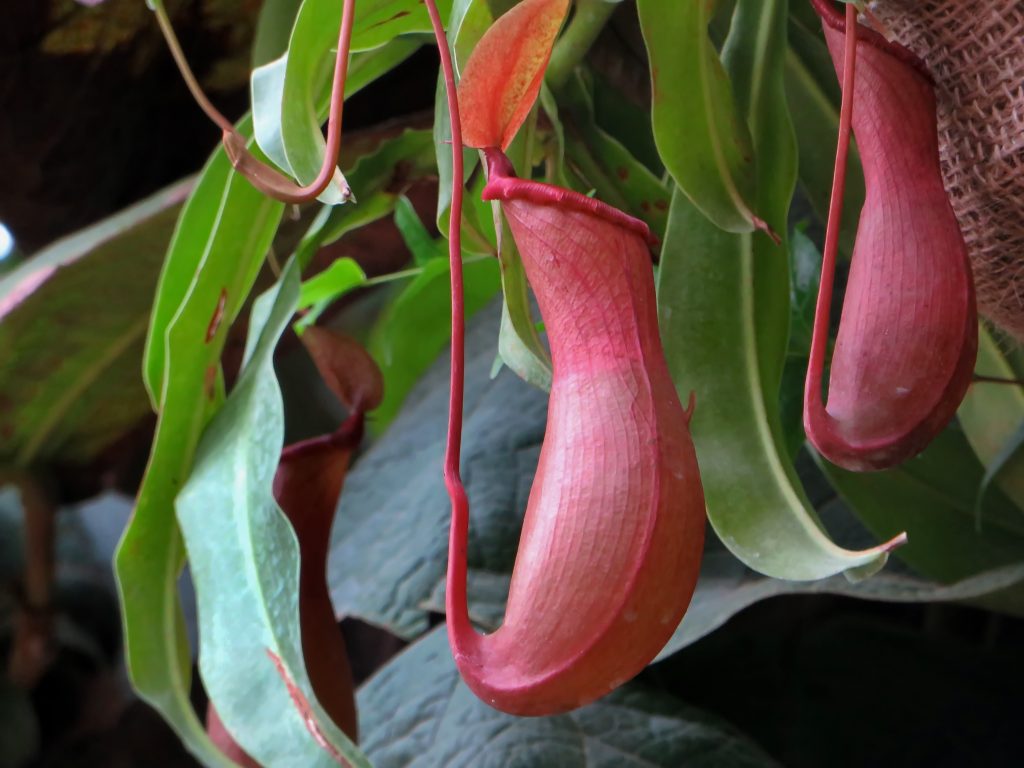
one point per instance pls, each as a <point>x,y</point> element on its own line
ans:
<point>416,237</point>
<point>416,326</point>
<point>724,311</point>
<point>726,588</point>
<point>223,218</point>
<point>416,713</point>
<point>1007,468</point>
<point>607,166</point>
<point>467,22</point>
<point>319,292</point>
<point>519,343</point>
<point>209,270</point>
<point>932,498</point>
<point>72,326</point>
<point>991,416</point>
<point>273,28</point>
<point>699,132</point>
<point>245,563</point>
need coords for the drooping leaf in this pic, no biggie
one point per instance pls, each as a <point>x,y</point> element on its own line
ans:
<point>700,133</point>
<point>727,587</point>
<point>273,28</point>
<point>932,497</point>
<point>222,220</point>
<point>416,237</point>
<point>609,168</point>
<point>724,307</point>
<point>72,324</point>
<point>416,713</point>
<point>342,276</point>
<point>245,566</point>
<point>222,237</point>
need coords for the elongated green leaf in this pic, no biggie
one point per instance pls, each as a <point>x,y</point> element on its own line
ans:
<point>519,343</point>
<point>218,201</point>
<point>209,270</point>
<point>991,416</point>
<point>700,134</point>
<point>245,565</point>
<point>416,237</point>
<point>467,22</point>
<point>724,309</point>
<point>416,713</point>
<point>338,279</point>
<point>726,587</point>
<point>72,325</point>
<point>273,29</point>
<point>608,167</point>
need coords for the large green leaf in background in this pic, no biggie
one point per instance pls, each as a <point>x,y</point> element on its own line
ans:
<point>244,562</point>
<point>724,309</point>
<point>700,133</point>
<point>72,324</point>
<point>390,540</point>
<point>416,713</point>
<point>223,234</point>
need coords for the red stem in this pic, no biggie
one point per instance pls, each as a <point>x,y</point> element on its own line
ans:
<point>822,310</point>
<point>456,598</point>
<point>319,184</point>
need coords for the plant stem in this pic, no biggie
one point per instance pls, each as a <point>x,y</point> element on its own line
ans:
<point>32,647</point>
<point>586,25</point>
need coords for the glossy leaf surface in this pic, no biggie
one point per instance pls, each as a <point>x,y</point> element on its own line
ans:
<point>701,135</point>
<point>220,242</point>
<point>72,325</point>
<point>245,566</point>
<point>724,310</point>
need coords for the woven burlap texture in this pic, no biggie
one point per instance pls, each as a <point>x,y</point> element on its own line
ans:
<point>975,51</point>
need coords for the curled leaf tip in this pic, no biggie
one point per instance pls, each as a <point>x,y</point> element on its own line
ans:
<point>895,542</point>
<point>503,76</point>
<point>908,333</point>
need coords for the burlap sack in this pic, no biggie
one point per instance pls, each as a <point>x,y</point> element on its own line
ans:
<point>975,51</point>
